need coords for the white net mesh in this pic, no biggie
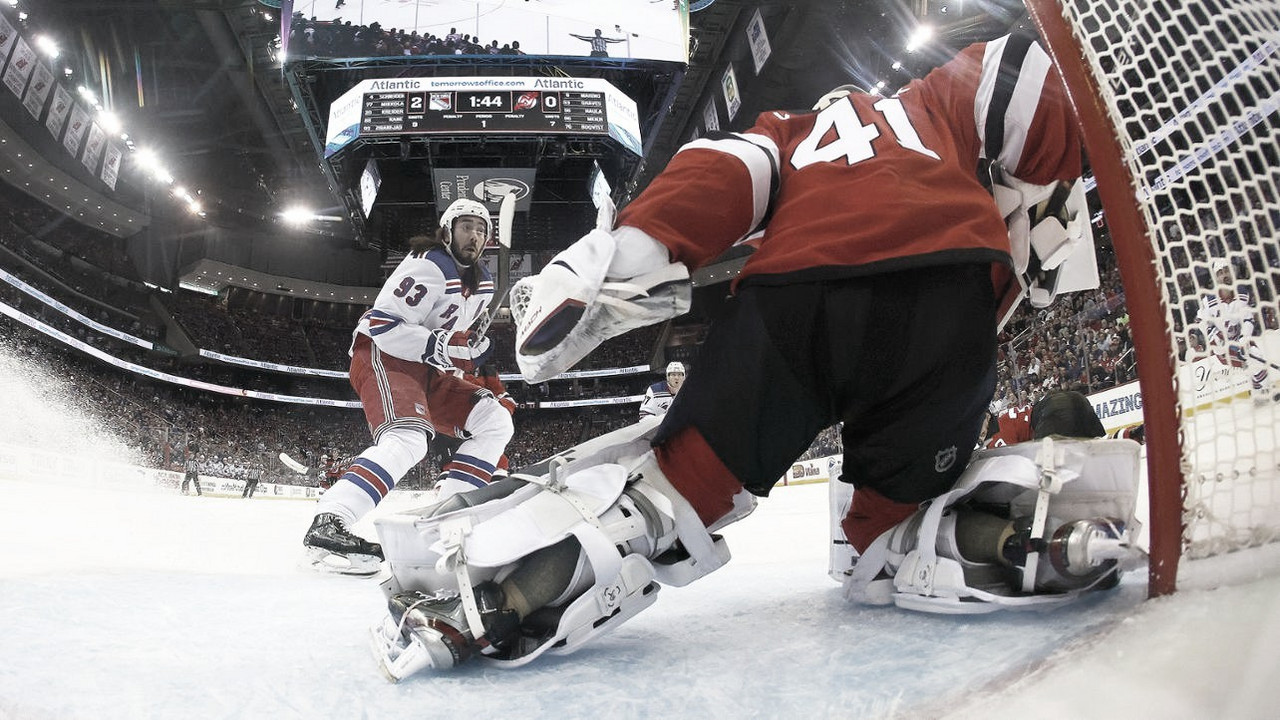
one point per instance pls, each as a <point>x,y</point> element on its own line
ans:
<point>1193,91</point>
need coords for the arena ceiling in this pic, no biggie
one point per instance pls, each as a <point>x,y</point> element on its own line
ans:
<point>195,80</point>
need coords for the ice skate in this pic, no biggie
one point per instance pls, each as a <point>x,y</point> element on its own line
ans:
<point>333,548</point>
<point>430,631</point>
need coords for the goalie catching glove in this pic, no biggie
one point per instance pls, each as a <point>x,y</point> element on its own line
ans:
<point>456,350</point>
<point>603,285</point>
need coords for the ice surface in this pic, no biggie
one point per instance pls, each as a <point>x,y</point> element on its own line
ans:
<point>128,602</point>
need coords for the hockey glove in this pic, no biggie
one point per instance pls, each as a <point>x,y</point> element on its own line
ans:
<point>461,350</point>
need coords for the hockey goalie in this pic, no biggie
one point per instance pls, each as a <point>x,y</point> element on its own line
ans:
<point>872,299</point>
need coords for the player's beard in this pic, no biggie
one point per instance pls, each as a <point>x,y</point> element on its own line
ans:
<point>466,253</point>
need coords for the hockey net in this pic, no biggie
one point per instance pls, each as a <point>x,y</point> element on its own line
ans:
<point>1179,105</point>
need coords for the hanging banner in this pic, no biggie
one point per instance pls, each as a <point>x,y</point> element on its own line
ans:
<point>111,166</point>
<point>7,37</point>
<point>58,111</point>
<point>709,116</point>
<point>732,99</point>
<point>24,60</point>
<point>758,39</point>
<point>38,90</point>
<point>93,148</point>
<point>75,131</point>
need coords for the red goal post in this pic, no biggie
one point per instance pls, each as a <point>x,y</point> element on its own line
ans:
<point>1180,108</point>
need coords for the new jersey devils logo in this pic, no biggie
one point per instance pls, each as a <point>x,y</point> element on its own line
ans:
<point>527,101</point>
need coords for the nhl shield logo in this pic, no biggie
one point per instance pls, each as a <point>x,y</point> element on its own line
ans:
<point>944,459</point>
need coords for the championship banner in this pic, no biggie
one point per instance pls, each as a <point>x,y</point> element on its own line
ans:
<point>111,166</point>
<point>75,131</point>
<point>58,112</point>
<point>758,39</point>
<point>519,265</point>
<point>38,90</point>
<point>732,98</point>
<point>709,117</point>
<point>7,37</point>
<point>24,60</point>
<point>93,148</point>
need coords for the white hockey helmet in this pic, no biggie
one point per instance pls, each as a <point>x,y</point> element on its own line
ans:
<point>1222,271</point>
<point>463,207</point>
<point>834,94</point>
<point>675,368</point>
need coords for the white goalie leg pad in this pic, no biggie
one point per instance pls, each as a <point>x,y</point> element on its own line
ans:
<point>570,307</point>
<point>607,508</point>
<point>1070,485</point>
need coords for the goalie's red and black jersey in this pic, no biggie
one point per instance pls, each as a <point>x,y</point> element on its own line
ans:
<point>870,184</point>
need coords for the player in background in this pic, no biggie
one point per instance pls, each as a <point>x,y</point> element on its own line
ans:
<point>403,357</point>
<point>659,396</point>
<point>332,465</point>
<point>1060,412</point>
<point>1228,319</point>
<point>872,299</point>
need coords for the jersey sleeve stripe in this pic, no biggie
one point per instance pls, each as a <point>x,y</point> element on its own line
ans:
<point>758,154</point>
<point>380,322</point>
<point>1013,75</point>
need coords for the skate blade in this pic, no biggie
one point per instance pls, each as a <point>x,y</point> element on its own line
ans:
<point>356,565</point>
<point>401,655</point>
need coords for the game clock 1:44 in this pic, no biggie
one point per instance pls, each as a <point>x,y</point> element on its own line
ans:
<point>484,102</point>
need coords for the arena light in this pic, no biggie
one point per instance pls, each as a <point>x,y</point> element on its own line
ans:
<point>46,45</point>
<point>920,36</point>
<point>110,122</point>
<point>297,215</point>
<point>147,159</point>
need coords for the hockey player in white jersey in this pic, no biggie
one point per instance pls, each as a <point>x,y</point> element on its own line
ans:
<point>659,396</point>
<point>404,355</point>
<point>1228,319</point>
<point>871,299</point>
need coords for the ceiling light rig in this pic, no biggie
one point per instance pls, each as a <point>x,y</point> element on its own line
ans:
<point>146,160</point>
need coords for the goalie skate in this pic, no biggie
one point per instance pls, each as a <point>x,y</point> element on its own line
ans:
<point>430,631</point>
<point>566,311</point>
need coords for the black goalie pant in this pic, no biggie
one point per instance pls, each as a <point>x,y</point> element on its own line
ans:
<point>906,360</point>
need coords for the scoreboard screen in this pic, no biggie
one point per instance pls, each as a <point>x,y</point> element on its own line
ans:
<point>478,105</point>
<point>480,111</point>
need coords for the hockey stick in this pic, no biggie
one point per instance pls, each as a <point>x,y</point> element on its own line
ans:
<point>506,216</point>
<point>292,464</point>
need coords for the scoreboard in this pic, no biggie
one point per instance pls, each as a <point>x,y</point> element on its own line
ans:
<point>483,111</point>
<point>452,105</point>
